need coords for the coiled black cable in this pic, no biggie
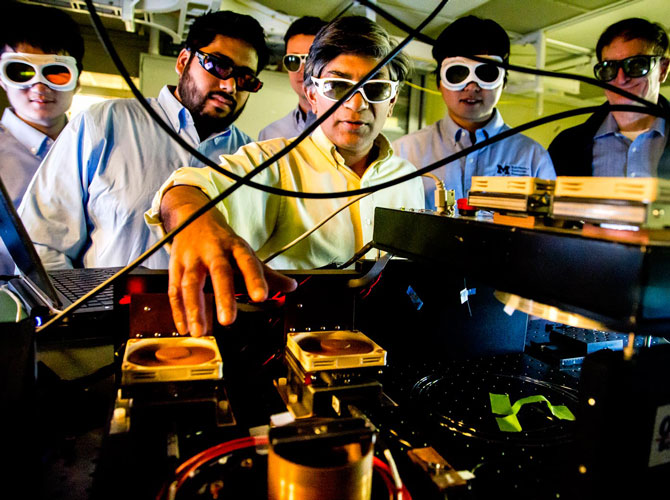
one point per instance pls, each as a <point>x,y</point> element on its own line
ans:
<point>652,108</point>
<point>102,34</point>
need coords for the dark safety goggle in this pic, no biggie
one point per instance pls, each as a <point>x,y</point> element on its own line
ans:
<point>373,91</point>
<point>21,70</point>
<point>633,67</point>
<point>293,62</point>
<point>223,67</point>
<point>457,72</point>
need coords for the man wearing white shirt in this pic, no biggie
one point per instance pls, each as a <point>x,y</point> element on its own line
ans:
<point>85,207</point>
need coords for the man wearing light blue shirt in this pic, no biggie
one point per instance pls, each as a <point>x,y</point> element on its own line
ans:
<point>85,207</point>
<point>37,38</point>
<point>633,56</point>
<point>471,89</point>
<point>298,39</point>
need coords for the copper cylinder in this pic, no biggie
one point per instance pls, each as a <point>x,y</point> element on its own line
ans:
<point>339,473</point>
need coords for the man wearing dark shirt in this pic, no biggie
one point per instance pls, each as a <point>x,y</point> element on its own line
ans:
<point>633,56</point>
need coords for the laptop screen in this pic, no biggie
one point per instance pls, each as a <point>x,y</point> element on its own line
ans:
<point>17,241</point>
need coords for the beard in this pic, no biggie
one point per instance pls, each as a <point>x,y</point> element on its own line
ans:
<point>195,102</point>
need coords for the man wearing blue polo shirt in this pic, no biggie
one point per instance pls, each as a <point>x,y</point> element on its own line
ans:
<point>471,90</point>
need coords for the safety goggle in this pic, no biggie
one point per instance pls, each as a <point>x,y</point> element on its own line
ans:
<point>223,67</point>
<point>293,62</point>
<point>457,72</point>
<point>21,70</point>
<point>633,67</point>
<point>374,91</point>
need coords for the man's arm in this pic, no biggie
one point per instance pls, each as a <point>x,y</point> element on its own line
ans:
<point>209,246</point>
<point>53,207</point>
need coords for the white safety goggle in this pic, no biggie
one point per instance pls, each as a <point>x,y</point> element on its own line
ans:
<point>457,72</point>
<point>21,70</point>
<point>374,91</point>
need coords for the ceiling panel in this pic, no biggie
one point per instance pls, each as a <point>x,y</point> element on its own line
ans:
<point>587,4</point>
<point>522,16</point>
<point>584,31</point>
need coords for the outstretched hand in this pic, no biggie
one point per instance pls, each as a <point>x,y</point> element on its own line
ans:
<point>209,246</point>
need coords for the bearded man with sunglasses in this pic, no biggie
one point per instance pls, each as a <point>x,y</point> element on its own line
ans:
<point>86,206</point>
<point>348,151</point>
<point>298,40</point>
<point>41,58</point>
<point>633,56</point>
<point>471,89</point>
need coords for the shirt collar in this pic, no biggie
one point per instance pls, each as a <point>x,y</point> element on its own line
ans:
<point>303,118</point>
<point>330,150</point>
<point>326,146</point>
<point>178,115</point>
<point>34,140</point>
<point>385,149</point>
<point>610,126</point>
<point>494,126</point>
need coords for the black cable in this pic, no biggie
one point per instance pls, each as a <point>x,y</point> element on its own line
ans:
<point>569,76</point>
<point>102,33</point>
<point>109,47</point>
<point>520,128</point>
<point>656,111</point>
<point>377,187</point>
<point>396,22</point>
<point>520,69</point>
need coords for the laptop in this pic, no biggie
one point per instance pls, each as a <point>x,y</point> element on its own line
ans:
<point>45,294</point>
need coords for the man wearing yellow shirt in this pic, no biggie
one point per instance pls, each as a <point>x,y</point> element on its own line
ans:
<point>346,152</point>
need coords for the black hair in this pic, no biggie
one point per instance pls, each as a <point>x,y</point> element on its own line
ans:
<point>46,28</point>
<point>635,28</point>
<point>471,36</point>
<point>233,25</point>
<point>307,25</point>
<point>356,35</point>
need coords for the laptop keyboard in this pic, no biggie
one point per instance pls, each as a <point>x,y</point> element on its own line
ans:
<point>74,283</point>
